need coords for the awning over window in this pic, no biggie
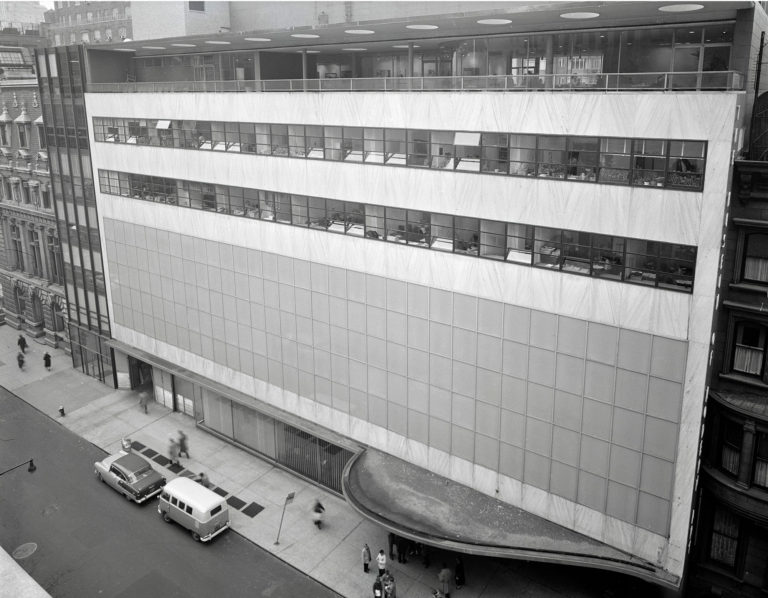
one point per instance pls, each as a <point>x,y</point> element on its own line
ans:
<point>462,138</point>
<point>23,118</point>
<point>5,117</point>
<point>42,156</point>
<point>39,120</point>
<point>163,124</point>
<point>23,154</point>
<point>7,152</point>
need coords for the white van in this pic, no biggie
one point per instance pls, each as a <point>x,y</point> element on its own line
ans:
<point>191,505</point>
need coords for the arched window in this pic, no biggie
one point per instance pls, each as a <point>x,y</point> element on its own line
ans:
<point>749,349</point>
<point>756,258</point>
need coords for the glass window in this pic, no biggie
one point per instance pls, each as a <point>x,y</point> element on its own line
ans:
<point>547,247</point>
<point>607,257</point>
<point>641,258</point>
<point>267,205</point>
<point>336,219</point>
<point>355,213</point>
<point>218,137</point>
<point>522,155</point>
<point>314,141</point>
<point>251,203</point>
<point>760,477</point>
<point>394,147</point>
<point>418,148</point>
<point>263,140</point>
<point>283,208</point>
<point>395,225</point>
<point>333,140</point>
<point>374,222</point>
<point>749,349</point>
<point>442,150</point>
<point>615,161</point>
<point>519,243</point>
<point>725,538</point>
<point>279,140</point>
<point>495,153</point>
<point>467,150</point>
<point>467,235</point>
<point>649,162</point>
<point>756,258</point>
<point>686,164</point>
<point>373,145</point>
<point>552,156</point>
<point>353,144</point>
<point>441,227</point>
<point>417,228</point>
<point>232,132</point>
<point>676,265</point>
<point>577,252</point>
<point>299,213</point>
<point>318,215</point>
<point>493,239</point>
<point>582,158</point>
<point>296,145</point>
<point>248,138</point>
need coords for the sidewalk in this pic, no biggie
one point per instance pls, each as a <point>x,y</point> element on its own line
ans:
<point>256,491</point>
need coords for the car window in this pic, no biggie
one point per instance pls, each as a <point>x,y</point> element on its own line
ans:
<point>182,505</point>
<point>174,502</point>
<point>118,474</point>
<point>188,510</point>
<point>216,509</point>
<point>165,496</point>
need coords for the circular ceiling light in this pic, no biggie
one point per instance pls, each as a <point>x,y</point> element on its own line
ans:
<point>257,39</point>
<point>218,43</point>
<point>152,48</point>
<point>359,31</point>
<point>681,7</point>
<point>422,27</point>
<point>354,49</point>
<point>184,45</point>
<point>305,35</point>
<point>405,46</point>
<point>579,15</point>
<point>494,21</point>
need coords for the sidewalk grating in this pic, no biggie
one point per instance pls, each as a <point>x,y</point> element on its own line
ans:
<point>252,509</point>
<point>235,502</point>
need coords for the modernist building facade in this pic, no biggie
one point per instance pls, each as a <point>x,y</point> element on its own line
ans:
<point>31,271</point>
<point>488,249</point>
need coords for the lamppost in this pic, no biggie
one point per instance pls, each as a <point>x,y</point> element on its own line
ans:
<point>30,469</point>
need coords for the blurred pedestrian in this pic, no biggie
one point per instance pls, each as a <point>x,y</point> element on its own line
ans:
<point>173,451</point>
<point>22,342</point>
<point>47,361</point>
<point>390,591</point>
<point>366,558</point>
<point>458,573</point>
<point>202,479</point>
<point>444,577</point>
<point>183,446</point>
<point>381,562</point>
<point>378,588</point>
<point>143,400</point>
<point>20,360</point>
<point>402,549</point>
<point>317,513</point>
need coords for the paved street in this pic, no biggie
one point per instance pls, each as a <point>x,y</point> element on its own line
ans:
<point>92,542</point>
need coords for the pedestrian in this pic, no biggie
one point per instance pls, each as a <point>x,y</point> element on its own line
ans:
<point>378,589</point>
<point>143,400</point>
<point>317,513</point>
<point>425,555</point>
<point>444,577</point>
<point>391,543</point>
<point>381,562</point>
<point>402,549</point>
<point>390,590</point>
<point>22,342</point>
<point>173,451</point>
<point>202,479</point>
<point>183,446</point>
<point>20,360</point>
<point>47,361</point>
<point>458,573</point>
<point>366,558</point>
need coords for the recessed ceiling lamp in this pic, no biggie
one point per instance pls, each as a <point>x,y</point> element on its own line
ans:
<point>579,15</point>
<point>359,31</point>
<point>152,47</point>
<point>681,7</point>
<point>125,49</point>
<point>494,21</point>
<point>257,39</point>
<point>422,27</point>
<point>405,46</point>
<point>308,51</point>
<point>218,43</point>
<point>305,35</point>
<point>354,49</point>
<point>184,45</point>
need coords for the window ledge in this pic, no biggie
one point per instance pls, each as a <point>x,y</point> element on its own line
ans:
<point>741,379</point>
<point>751,287</point>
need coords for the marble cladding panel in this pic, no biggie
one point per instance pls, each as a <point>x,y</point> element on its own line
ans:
<point>574,420</point>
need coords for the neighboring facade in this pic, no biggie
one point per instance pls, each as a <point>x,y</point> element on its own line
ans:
<point>489,250</point>
<point>21,15</point>
<point>731,551</point>
<point>31,271</point>
<point>155,20</point>
<point>88,22</point>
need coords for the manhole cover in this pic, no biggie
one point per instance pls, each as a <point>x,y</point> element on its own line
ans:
<point>24,550</point>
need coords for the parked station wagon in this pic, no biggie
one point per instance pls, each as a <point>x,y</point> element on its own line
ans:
<point>131,475</point>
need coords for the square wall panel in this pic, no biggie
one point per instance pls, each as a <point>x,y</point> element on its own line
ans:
<point>631,390</point>
<point>464,378</point>
<point>668,359</point>
<point>269,265</point>
<point>440,435</point>
<point>511,461</point>
<point>653,514</point>
<point>657,476</point>
<point>358,404</point>
<point>465,345</point>
<point>489,352</point>
<point>440,306</point>
<point>566,446</point>
<point>487,419</point>
<point>512,428</point>
<point>490,317</point>
<point>488,387</point>
<point>440,403</point>
<point>568,409</point>
<point>515,359</point>
<point>634,351</point>
<point>570,374</point>
<point>564,481</point>
<point>517,323</point>
<point>377,411</point>
<point>536,471</point>
<point>397,359</point>
<point>376,321</point>
<point>541,401</point>
<point>397,419</point>
<point>594,456</point>
<point>418,333</point>
<point>625,466</point>
<point>397,328</point>
<point>440,339</point>
<point>418,426</point>
<point>571,336</point>
<point>418,365</point>
<point>465,311</point>
<point>319,278</point>
<point>628,429</point>
<point>514,394</point>
<point>622,502</point>
<point>418,301</point>
<point>463,443</point>
<point>418,396</point>
<point>592,491</point>
<point>356,286</point>
<point>397,389</point>
<point>284,269</point>
<point>440,372</point>
<point>336,280</point>
<point>463,411</point>
<point>487,452</point>
<point>302,270</point>
<point>597,419</point>
<point>599,382</point>
<point>543,332</point>
<point>660,438</point>
<point>541,366</point>
<point>376,290</point>
<point>397,296</point>
<point>665,399</point>
<point>538,437</point>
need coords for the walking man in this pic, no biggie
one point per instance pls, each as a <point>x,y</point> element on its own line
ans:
<point>47,361</point>
<point>183,447</point>
<point>381,562</point>
<point>22,342</point>
<point>444,577</point>
<point>173,451</point>
<point>366,557</point>
<point>143,400</point>
<point>20,360</point>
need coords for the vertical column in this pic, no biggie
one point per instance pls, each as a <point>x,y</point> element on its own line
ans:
<point>747,454</point>
<point>304,69</point>
<point>409,66</point>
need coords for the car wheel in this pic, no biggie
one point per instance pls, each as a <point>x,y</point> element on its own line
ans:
<point>196,536</point>
<point>166,518</point>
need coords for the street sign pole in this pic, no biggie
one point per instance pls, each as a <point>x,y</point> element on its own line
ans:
<point>288,500</point>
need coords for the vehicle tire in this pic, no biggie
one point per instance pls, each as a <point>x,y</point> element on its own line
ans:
<point>196,536</point>
<point>166,518</point>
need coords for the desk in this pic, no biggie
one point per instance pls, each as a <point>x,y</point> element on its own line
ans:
<point>316,153</point>
<point>337,227</point>
<point>442,244</point>
<point>468,165</point>
<point>356,229</point>
<point>521,257</point>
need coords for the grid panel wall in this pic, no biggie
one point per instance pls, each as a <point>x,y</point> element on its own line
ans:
<point>582,410</point>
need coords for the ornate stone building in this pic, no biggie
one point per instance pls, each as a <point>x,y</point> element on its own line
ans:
<point>31,273</point>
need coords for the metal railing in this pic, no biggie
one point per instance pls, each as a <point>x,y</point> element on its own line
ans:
<point>602,82</point>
